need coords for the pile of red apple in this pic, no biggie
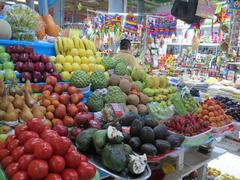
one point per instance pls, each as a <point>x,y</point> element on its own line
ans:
<point>64,107</point>
<point>31,66</point>
<point>36,152</point>
<point>188,125</point>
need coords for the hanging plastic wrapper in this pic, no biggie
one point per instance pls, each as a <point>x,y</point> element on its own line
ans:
<point>206,8</point>
<point>195,41</point>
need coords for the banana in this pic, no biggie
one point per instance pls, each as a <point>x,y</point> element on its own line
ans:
<point>93,48</point>
<point>60,45</point>
<point>76,44</point>
<point>81,45</point>
<point>65,44</point>
<point>71,44</point>
<point>86,44</point>
<point>56,48</point>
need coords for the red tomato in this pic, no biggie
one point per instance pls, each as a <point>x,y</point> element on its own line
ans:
<point>60,145</point>
<point>13,144</point>
<point>29,145</point>
<point>43,150</point>
<point>48,132</point>
<point>69,174</point>
<point>10,139</point>
<point>6,161</point>
<point>17,153</point>
<point>3,145</point>
<point>26,135</point>
<point>24,161</point>
<point>11,169</point>
<point>35,125</point>
<point>20,175</point>
<point>71,148</point>
<point>86,171</point>
<point>56,164</point>
<point>38,169</point>
<point>53,176</point>
<point>84,158</point>
<point>72,159</point>
<point>4,153</point>
<point>20,128</point>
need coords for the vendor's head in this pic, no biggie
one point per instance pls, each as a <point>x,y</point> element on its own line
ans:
<point>125,44</point>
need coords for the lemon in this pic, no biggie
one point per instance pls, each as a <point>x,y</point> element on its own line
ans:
<point>85,60</point>
<point>91,66</point>
<point>98,60</point>
<point>52,59</point>
<point>92,59</point>
<point>58,67</point>
<point>89,53</point>
<point>75,66</point>
<point>84,67</point>
<point>69,59</point>
<point>67,67</point>
<point>60,59</point>
<point>77,59</point>
<point>82,52</point>
<point>74,52</point>
<point>65,76</point>
<point>98,54</point>
<point>100,67</point>
<point>106,75</point>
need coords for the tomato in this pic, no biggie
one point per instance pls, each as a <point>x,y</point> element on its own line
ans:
<point>26,135</point>
<point>24,161</point>
<point>20,128</point>
<point>3,145</point>
<point>3,153</point>
<point>10,139</point>
<point>6,161</point>
<point>48,132</point>
<point>71,148</point>
<point>20,175</point>
<point>86,171</point>
<point>60,145</point>
<point>17,153</point>
<point>43,150</point>
<point>84,158</point>
<point>72,159</point>
<point>69,174</point>
<point>29,145</point>
<point>56,164</point>
<point>38,169</point>
<point>53,176</point>
<point>13,144</point>
<point>35,125</point>
<point>11,169</point>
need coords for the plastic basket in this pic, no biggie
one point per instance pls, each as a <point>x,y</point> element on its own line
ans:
<point>2,174</point>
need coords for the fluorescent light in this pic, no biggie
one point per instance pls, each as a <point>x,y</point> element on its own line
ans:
<point>23,1</point>
<point>10,2</point>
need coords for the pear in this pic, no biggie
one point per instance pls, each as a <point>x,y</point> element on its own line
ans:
<point>5,101</point>
<point>11,114</point>
<point>37,113</point>
<point>29,100</point>
<point>2,87</point>
<point>18,102</point>
<point>2,114</point>
<point>11,98</point>
<point>27,87</point>
<point>26,113</point>
<point>43,109</point>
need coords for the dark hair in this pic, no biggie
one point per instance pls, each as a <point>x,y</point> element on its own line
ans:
<point>125,44</point>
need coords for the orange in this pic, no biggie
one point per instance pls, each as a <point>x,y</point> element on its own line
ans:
<point>205,106</point>
<point>211,114</point>
<point>212,119</point>
<point>55,103</point>
<point>216,113</point>
<point>49,115</point>
<point>205,112</point>
<point>206,117</point>
<point>51,108</point>
<point>217,119</point>
<point>46,102</point>
<point>46,93</point>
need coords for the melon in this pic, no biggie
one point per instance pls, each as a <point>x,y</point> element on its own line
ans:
<point>6,30</point>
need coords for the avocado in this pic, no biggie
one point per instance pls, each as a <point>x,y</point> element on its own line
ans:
<point>175,140</point>
<point>128,118</point>
<point>84,140</point>
<point>150,121</point>
<point>127,150</point>
<point>147,135</point>
<point>135,143</point>
<point>149,149</point>
<point>161,132</point>
<point>127,137</point>
<point>162,146</point>
<point>135,128</point>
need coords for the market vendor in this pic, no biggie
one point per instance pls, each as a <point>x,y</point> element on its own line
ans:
<point>125,53</point>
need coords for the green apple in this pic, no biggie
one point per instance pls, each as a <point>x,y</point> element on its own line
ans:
<point>3,138</point>
<point>8,65</point>
<point>2,49</point>
<point>52,59</point>
<point>1,76</point>
<point>58,67</point>
<point>9,75</point>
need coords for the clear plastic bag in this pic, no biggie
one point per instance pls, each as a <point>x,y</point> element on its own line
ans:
<point>206,8</point>
<point>159,112</point>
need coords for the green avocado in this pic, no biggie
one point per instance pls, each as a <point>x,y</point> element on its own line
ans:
<point>162,146</point>
<point>84,139</point>
<point>149,149</point>
<point>161,132</point>
<point>135,143</point>
<point>147,135</point>
<point>135,128</point>
<point>100,139</point>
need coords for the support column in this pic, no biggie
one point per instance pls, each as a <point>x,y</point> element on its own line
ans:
<point>59,12</point>
<point>116,6</point>
<point>140,10</point>
<point>43,7</point>
<point>30,3</point>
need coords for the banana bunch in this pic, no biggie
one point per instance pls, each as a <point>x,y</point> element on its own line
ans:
<point>64,45</point>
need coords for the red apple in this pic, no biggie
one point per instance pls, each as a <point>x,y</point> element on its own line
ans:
<point>58,88</point>
<point>28,49</point>
<point>56,121</point>
<point>47,87</point>
<point>19,66</point>
<point>10,49</point>
<point>39,66</point>
<point>61,130</point>
<point>82,107</point>
<point>72,110</point>
<point>74,132</point>
<point>44,59</point>
<point>45,75</point>
<point>28,67</point>
<point>51,80</point>
<point>60,111</point>
<point>57,75</point>
<point>64,99</point>
<point>36,88</point>
<point>68,121</point>
<point>34,57</point>
<point>24,57</point>
<point>71,90</point>
<point>65,86</point>
<point>15,57</point>
<point>76,98</point>
<point>26,76</point>
<point>37,76</point>
<point>55,96</point>
<point>49,67</point>
<point>18,49</point>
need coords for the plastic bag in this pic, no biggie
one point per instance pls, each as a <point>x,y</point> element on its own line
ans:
<point>159,112</point>
<point>40,27</point>
<point>206,8</point>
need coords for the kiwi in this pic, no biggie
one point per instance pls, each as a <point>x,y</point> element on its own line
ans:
<point>133,109</point>
<point>143,98</point>
<point>125,86</point>
<point>114,80</point>
<point>133,100</point>
<point>142,109</point>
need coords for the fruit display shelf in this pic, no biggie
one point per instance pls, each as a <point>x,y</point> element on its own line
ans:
<point>223,130</point>
<point>39,47</point>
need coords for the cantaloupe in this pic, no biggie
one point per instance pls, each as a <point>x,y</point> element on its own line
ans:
<point>6,30</point>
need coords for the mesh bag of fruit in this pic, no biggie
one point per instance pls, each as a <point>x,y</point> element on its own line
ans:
<point>162,113</point>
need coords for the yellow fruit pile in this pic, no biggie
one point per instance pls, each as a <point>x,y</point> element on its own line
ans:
<point>76,54</point>
<point>213,172</point>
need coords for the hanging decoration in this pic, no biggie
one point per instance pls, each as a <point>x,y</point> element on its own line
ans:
<point>131,25</point>
<point>234,4</point>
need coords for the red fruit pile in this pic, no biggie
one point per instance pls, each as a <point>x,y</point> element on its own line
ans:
<point>212,112</point>
<point>31,66</point>
<point>188,125</point>
<point>35,152</point>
